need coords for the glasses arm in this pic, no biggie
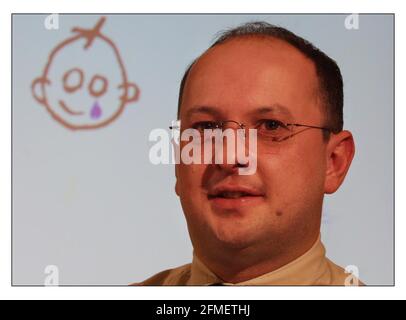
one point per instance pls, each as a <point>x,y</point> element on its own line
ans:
<point>307,126</point>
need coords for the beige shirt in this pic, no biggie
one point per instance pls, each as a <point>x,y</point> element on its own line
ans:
<point>312,268</point>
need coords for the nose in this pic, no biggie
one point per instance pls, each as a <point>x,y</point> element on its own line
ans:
<point>231,168</point>
<point>230,151</point>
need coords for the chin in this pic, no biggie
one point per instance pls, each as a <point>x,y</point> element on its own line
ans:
<point>235,238</point>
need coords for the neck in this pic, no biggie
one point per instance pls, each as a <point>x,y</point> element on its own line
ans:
<point>235,265</point>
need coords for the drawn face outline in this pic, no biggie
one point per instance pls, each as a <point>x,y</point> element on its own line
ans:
<point>39,85</point>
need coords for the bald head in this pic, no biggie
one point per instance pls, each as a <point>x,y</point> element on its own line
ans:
<point>291,48</point>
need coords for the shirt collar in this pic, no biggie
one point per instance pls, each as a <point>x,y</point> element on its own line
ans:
<point>309,269</point>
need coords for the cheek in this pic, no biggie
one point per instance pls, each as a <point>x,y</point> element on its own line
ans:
<point>294,175</point>
<point>189,181</point>
<point>190,191</point>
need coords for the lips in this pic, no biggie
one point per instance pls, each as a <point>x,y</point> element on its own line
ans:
<point>235,196</point>
<point>232,194</point>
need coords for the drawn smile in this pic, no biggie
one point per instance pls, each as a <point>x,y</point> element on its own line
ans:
<point>69,110</point>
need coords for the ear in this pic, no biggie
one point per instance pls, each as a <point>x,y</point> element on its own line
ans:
<point>340,152</point>
<point>38,89</point>
<point>175,142</point>
<point>128,97</point>
<point>177,187</point>
<point>176,149</point>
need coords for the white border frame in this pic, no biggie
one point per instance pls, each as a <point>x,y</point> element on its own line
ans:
<point>185,6</point>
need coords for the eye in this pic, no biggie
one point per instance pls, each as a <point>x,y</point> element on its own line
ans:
<point>272,125</point>
<point>72,80</point>
<point>205,125</point>
<point>98,85</point>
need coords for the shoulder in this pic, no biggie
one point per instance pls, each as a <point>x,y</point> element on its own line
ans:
<point>340,277</point>
<point>175,277</point>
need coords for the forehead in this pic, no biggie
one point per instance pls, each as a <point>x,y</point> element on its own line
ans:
<point>243,74</point>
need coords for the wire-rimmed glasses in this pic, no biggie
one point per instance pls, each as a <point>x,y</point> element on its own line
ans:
<point>270,129</point>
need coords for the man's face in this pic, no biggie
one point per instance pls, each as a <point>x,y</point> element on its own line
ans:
<point>236,80</point>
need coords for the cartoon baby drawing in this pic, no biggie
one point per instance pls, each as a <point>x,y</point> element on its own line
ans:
<point>84,84</point>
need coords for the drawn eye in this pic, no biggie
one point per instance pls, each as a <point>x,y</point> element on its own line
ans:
<point>98,85</point>
<point>72,80</point>
<point>205,125</point>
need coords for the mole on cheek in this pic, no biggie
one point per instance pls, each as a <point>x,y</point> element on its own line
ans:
<point>279,213</point>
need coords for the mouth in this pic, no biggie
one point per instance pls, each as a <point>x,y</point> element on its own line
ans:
<point>68,109</point>
<point>235,197</point>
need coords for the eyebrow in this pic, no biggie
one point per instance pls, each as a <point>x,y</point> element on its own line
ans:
<point>203,109</point>
<point>274,108</point>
